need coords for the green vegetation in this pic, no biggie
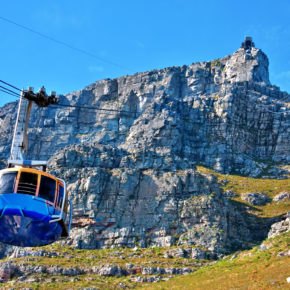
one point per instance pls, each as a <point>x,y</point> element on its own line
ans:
<point>259,268</point>
<point>216,62</point>
<point>263,267</point>
<point>67,257</point>
<point>240,184</point>
<point>83,135</point>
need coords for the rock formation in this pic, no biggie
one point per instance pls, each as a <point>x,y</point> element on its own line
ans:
<point>130,165</point>
<point>280,227</point>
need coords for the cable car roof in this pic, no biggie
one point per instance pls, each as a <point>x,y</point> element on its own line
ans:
<point>31,170</point>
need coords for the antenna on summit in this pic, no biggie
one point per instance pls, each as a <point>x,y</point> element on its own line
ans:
<point>248,43</point>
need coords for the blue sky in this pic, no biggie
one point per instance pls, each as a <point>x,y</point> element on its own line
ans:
<point>137,35</point>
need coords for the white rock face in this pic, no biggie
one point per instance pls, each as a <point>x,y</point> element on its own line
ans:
<point>282,196</point>
<point>256,198</point>
<point>280,227</point>
<point>247,66</point>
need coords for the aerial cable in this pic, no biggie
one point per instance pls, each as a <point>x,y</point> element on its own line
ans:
<point>10,84</point>
<point>65,44</point>
<point>63,105</point>
<point>10,91</point>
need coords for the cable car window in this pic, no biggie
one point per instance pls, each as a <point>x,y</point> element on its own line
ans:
<point>7,182</point>
<point>27,183</point>
<point>47,188</point>
<point>60,196</point>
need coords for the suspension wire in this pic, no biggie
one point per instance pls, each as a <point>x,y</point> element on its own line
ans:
<point>103,110</point>
<point>2,89</point>
<point>71,106</point>
<point>65,44</point>
<point>10,84</point>
<point>10,91</point>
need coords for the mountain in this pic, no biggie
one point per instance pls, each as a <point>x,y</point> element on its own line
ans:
<point>131,165</point>
<point>223,114</point>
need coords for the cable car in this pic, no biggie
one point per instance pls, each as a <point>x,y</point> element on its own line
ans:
<point>34,207</point>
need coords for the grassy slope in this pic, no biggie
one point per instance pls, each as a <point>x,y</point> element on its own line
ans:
<point>254,269</point>
<point>66,257</point>
<point>271,187</point>
<point>258,268</point>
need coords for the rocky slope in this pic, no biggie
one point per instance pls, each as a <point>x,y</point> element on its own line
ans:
<point>131,166</point>
<point>149,207</point>
<point>59,267</point>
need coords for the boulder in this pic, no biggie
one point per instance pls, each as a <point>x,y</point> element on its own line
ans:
<point>282,196</point>
<point>255,198</point>
<point>7,270</point>
<point>197,253</point>
<point>230,193</point>
<point>280,227</point>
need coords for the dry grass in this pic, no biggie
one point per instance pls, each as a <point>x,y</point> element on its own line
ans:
<point>254,269</point>
<point>66,257</point>
<point>240,184</point>
<point>258,268</point>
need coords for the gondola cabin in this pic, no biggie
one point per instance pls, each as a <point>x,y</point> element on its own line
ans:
<point>34,207</point>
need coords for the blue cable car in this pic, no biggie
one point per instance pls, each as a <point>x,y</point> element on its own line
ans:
<point>34,207</point>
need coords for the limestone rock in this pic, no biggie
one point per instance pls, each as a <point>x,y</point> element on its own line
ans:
<point>255,198</point>
<point>5,250</point>
<point>178,253</point>
<point>197,253</point>
<point>282,196</point>
<point>280,227</point>
<point>144,207</point>
<point>7,270</point>
<point>109,270</point>
<point>230,193</point>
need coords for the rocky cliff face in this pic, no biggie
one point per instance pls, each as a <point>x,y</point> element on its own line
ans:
<point>131,166</point>
<point>145,207</point>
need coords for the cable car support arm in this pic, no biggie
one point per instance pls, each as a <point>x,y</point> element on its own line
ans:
<point>19,146</point>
